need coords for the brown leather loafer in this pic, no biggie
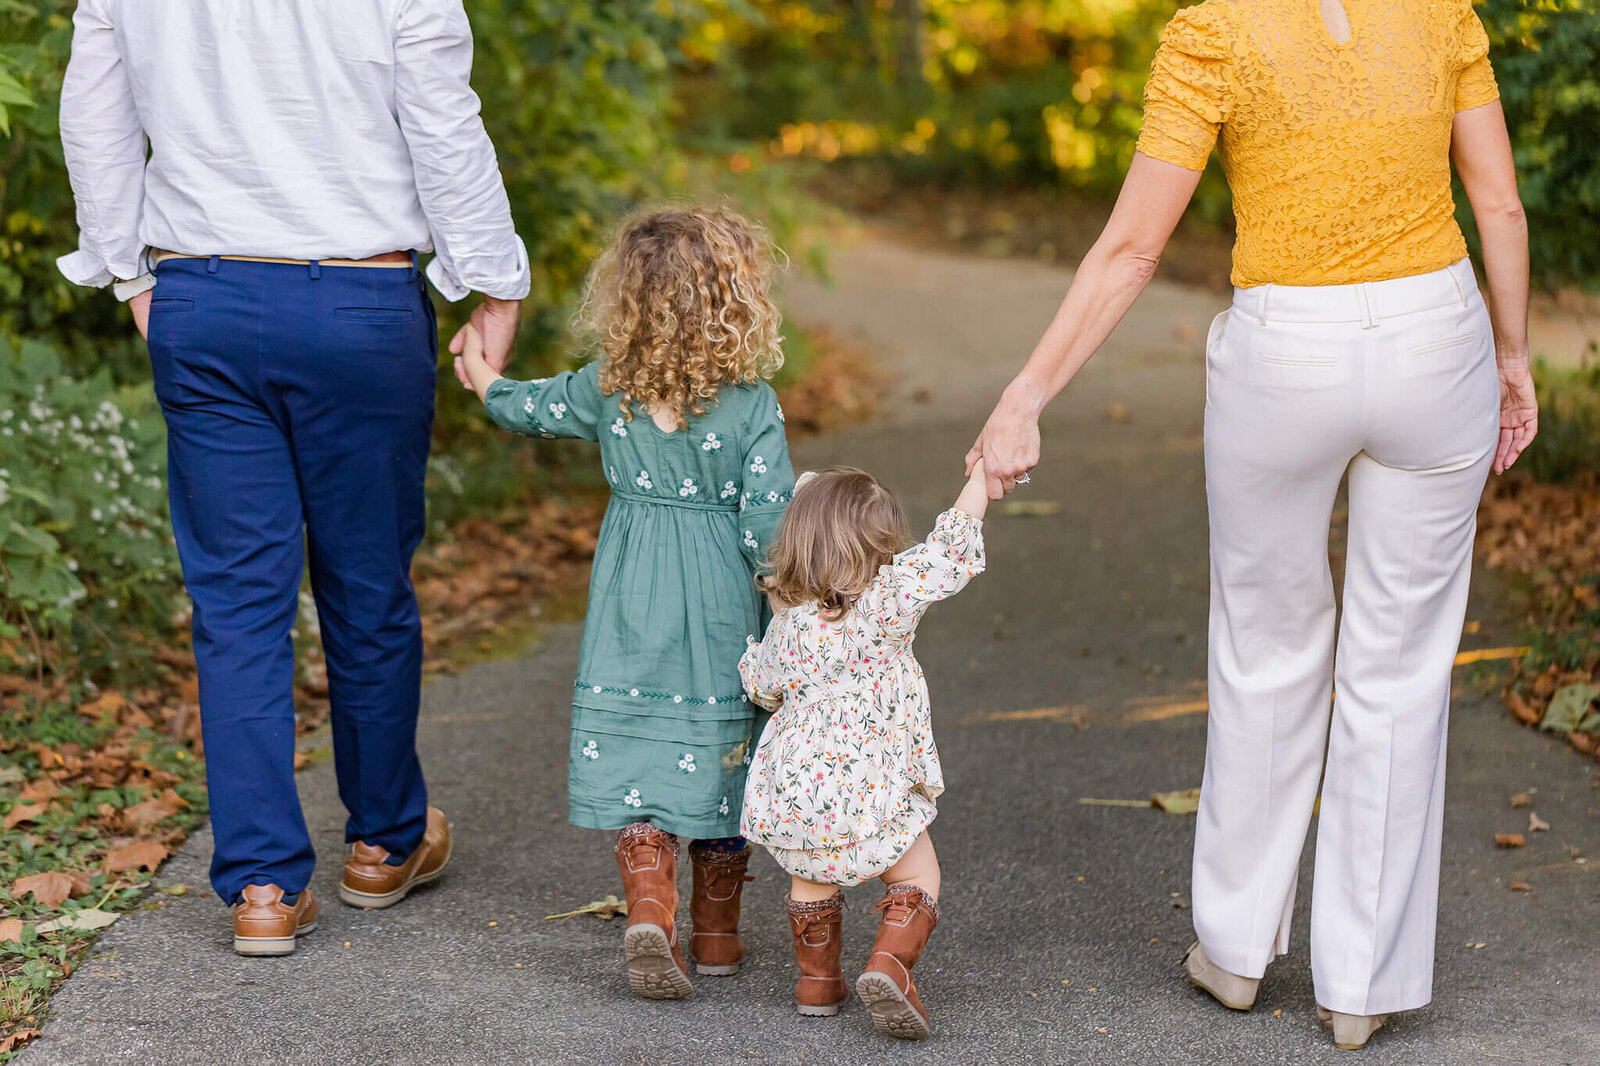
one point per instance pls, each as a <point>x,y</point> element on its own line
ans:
<point>371,881</point>
<point>263,924</point>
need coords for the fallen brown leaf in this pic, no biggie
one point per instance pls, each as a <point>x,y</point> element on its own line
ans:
<point>1509,840</point>
<point>607,909</point>
<point>1520,886</point>
<point>16,1038</point>
<point>40,788</point>
<point>24,812</point>
<point>1184,801</point>
<point>10,929</point>
<point>48,889</point>
<point>1536,824</point>
<point>1521,799</point>
<point>141,854</point>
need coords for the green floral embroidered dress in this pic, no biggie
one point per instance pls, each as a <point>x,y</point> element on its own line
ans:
<point>662,730</point>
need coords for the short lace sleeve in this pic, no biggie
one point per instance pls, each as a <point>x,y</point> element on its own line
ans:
<point>1190,92</point>
<point>934,570</point>
<point>1475,85</point>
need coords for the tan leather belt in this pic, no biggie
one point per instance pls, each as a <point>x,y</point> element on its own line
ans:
<point>386,259</point>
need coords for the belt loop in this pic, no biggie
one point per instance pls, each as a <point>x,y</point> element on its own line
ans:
<point>412,274</point>
<point>1261,303</point>
<point>315,267</point>
<point>1364,301</point>
<point>213,264</point>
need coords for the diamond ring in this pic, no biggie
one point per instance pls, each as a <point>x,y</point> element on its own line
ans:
<point>1024,479</point>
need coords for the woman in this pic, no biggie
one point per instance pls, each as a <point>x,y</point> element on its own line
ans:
<point>1357,340</point>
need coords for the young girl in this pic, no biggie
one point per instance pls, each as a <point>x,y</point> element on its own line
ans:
<point>845,776</point>
<point>691,439</point>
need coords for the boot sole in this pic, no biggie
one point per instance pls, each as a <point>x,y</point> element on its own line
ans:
<point>892,1013</point>
<point>352,897</point>
<point>268,946</point>
<point>807,1010</point>
<point>716,971</point>
<point>652,971</point>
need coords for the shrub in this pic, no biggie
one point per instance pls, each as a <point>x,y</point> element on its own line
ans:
<point>85,552</point>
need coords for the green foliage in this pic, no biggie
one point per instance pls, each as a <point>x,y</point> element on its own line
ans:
<point>1546,56</point>
<point>1568,444</point>
<point>85,552</point>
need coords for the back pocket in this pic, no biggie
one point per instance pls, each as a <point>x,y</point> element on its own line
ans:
<point>375,315</point>
<point>1440,356</point>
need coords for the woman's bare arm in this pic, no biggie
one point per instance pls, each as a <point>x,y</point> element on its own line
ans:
<point>1111,276</point>
<point>1481,150</point>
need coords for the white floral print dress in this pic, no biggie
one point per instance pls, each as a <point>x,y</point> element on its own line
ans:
<point>846,773</point>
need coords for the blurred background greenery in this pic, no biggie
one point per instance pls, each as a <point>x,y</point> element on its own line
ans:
<point>598,105</point>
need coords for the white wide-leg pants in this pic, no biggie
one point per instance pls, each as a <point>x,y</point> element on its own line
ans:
<point>1394,381</point>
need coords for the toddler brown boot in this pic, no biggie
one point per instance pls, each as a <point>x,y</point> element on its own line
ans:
<point>817,926</point>
<point>648,859</point>
<point>719,878</point>
<point>909,915</point>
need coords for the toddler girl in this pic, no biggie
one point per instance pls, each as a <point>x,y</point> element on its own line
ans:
<point>845,776</point>
<point>692,442</point>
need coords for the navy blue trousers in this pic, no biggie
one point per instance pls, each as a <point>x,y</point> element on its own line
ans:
<point>299,405</point>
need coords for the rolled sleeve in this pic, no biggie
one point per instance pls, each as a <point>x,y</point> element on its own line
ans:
<point>103,144</point>
<point>457,175</point>
<point>1190,92</point>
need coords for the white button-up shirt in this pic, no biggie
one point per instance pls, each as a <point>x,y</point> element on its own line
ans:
<point>292,129</point>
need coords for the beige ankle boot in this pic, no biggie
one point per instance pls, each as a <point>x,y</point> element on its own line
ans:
<point>1350,1031</point>
<point>1229,989</point>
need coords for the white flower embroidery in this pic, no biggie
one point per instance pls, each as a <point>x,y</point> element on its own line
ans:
<point>758,465</point>
<point>711,700</point>
<point>527,405</point>
<point>590,750</point>
<point>677,699</point>
<point>633,692</point>
<point>611,474</point>
<point>712,443</point>
<point>750,540</point>
<point>773,497</point>
<point>620,427</point>
<point>688,488</point>
<point>558,410</point>
<point>631,798</point>
<point>729,489</point>
<point>722,808</point>
<point>597,689</point>
<point>779,406</point>
<point>686,764</point>
<point>643,480</point>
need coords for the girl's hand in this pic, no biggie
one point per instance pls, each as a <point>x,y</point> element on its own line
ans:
<point>471,366</point>
<point>1008,447</point>
<point>974,498</point>
<point>1519,413</point>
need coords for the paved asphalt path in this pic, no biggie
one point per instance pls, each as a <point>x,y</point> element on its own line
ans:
<point>1064,923</point>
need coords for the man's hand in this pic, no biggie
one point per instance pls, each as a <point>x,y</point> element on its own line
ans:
<point>496,321</point>
<point>140,306</point>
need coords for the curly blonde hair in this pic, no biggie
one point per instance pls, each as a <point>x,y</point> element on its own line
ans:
<point>840,528</point>
<point>681,304</point>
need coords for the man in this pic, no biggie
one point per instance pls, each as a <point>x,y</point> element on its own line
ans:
<point>301,153</point>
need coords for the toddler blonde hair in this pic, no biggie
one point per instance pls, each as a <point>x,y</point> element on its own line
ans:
<point>841,526</point>
<point>681,304</point>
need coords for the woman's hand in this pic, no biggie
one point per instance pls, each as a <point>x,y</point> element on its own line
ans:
<point>1519,413</point>
<point>140,306</point>
<point>1008,447</point>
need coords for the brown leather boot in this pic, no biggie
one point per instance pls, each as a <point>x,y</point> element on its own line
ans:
<point>265,925</point>
<point>909,915</point>
<point>719,878</point>
<point>371,881</point>
<point>648,859</point>
<point>818,927</point>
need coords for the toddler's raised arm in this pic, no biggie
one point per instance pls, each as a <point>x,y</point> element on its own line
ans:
<point>934,570</point>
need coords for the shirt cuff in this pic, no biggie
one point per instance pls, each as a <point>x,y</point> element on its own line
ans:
<point>452,288</point>
<point>85,268</point>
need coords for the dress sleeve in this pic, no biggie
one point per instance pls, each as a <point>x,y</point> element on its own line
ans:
<point>759,670</point>
<point>934,570</point>
<point>767,477</point>
<point>567,405</point>
<point>1475,85</point>
<point>1190,92</point>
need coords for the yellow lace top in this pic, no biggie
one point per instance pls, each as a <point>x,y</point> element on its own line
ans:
<point>1338,154</point>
